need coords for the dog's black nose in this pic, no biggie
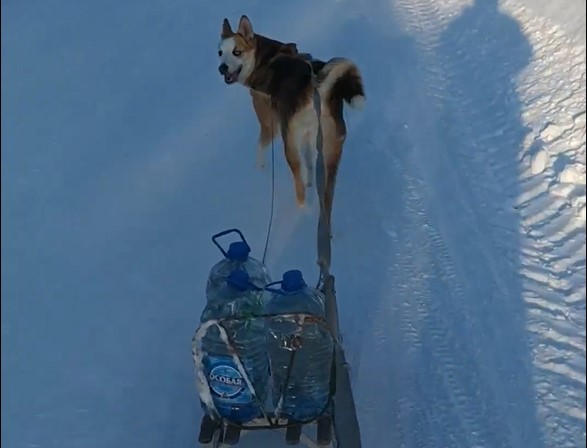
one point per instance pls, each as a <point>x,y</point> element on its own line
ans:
<point>223,68</point>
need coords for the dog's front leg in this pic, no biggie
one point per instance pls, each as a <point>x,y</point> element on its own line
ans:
<point>267,123</point>
<point>309,157</point>
<point>260,158</point>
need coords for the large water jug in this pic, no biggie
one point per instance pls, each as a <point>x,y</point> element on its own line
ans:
<point>233,398</point>
<point>301,356</point>
<point>237,256</point>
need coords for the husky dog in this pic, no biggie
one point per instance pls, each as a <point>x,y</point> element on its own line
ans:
<point>280,82</point>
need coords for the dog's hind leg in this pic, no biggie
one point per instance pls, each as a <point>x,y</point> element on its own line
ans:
<point>291,145</point>
<point>311,125</point>
<point>309,148</point>
<point>334,138</point>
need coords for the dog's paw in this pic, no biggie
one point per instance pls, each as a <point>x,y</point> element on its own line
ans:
<point>260,162</point>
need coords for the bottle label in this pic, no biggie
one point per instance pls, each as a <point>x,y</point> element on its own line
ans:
<point>228,386</point>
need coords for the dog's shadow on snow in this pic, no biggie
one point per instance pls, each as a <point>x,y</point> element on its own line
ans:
<point>431,297</point>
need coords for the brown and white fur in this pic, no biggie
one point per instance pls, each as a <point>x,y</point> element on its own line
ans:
<point>280,82</point>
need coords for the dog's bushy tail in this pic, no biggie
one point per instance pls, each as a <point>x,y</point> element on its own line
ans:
<point>340,80</point>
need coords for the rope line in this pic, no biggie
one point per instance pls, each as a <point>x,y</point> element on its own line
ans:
<point>271,212</point>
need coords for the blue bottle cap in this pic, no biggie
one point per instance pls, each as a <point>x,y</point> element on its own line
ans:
<point>238,251</point>
<point>239,279</point>
<point>292,281</point>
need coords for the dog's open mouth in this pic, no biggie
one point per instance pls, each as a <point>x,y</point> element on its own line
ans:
<point>230,77</point>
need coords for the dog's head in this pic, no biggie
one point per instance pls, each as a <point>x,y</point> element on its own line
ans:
<point>236,51</point>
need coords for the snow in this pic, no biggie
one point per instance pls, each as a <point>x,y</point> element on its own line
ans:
<point>459,216</point>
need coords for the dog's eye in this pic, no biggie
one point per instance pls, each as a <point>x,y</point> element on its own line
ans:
<point>219,52</point>
<point>236,52</point>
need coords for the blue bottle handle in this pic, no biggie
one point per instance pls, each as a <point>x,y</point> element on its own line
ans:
<point>224,233</point>
<point>254,287</point>
<point>277,291</point>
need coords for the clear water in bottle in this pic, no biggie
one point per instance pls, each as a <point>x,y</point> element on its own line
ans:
<point>301,394</point>
<point>236,257</point>
<point>231,395</point>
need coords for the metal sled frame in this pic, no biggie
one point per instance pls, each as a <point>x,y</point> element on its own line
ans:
<point>346,432</point>
<point>221,436</point>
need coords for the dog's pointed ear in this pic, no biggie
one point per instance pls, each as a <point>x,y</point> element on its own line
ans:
<point>226,29</point>
<point>245,28</point>
<point>291,47</point>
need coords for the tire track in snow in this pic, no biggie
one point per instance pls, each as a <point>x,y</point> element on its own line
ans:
<point>440,396</point>
<point>425,20</point>
<point>429,392</point>
<point>443,401</point>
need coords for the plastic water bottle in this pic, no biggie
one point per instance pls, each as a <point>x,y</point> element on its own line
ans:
<point>237,256</point>
<point>233,399</point>
<point>301,356</point>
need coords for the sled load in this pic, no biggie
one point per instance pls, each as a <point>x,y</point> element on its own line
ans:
<point>264,354</point>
